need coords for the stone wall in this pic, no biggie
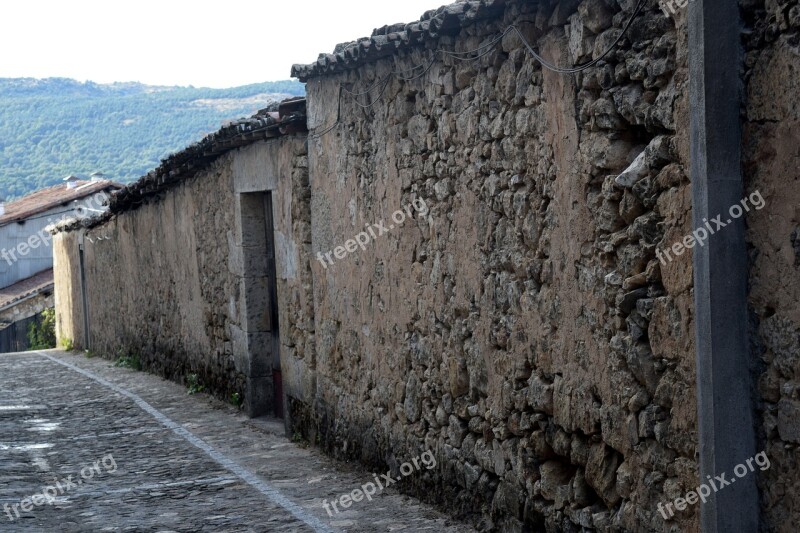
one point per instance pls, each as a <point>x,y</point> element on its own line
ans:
<point>770,166</point>
<point>158,284</point>
<point>523,330</point>
<point>532,326</point>
<point>179,281</point>
<point>67,291</point>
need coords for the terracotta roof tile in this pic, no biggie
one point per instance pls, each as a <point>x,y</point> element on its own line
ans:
<point>282,119</point>
<point>387,40</point>
<point>26,287</point>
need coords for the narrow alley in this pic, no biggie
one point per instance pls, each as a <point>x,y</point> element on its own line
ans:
<point>91,447</point>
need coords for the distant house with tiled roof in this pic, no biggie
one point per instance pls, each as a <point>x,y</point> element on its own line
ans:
<point>24,245</point>
<point>26,257</point>
<point>22,304</point>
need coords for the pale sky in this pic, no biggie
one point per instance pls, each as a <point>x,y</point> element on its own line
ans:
<point>180,42</point>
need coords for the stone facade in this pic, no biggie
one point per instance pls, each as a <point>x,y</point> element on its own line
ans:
<point>176,281</point>
<point>526,326</point>
<point>67,296</point>
<point>770,165</point>
<point>524,329</point>
<point>147,287</point>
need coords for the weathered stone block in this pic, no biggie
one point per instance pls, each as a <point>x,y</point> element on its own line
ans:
<point>789,420</point>
<point>456,431</point>
<point>601,472</point>
<point>413,398</point>
<point>508,499</point>
<point>540,395</point>
<point>555,482</point>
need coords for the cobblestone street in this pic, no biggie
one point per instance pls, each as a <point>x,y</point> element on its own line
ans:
<point>162,460</point>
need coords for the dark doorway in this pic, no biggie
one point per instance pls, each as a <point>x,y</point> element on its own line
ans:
<point>272,287</point>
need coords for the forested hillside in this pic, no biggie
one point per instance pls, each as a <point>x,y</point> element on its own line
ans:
<point>54,127</point>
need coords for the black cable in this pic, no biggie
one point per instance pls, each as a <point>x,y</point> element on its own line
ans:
<point>335,122</point>
<point>421,74</point>
<point>353,94</point>
<point>377,98</point>
<point>580,68</point>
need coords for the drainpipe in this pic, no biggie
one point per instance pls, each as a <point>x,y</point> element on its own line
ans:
<point>84,299</point>
<point>724,381</point>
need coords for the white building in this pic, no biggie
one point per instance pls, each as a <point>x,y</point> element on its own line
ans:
<point>26,256</point>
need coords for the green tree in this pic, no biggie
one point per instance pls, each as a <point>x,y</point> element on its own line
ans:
<point>54,127</point>
<point>42,334</point>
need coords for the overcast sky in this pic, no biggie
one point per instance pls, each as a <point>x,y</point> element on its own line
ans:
<point>181,42</point>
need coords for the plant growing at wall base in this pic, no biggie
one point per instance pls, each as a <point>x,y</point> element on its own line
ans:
<point>67,344</point>
<point>236,399</point>
<point>194,385</point>
<point>42,334</point>
<point>300,440</point>
<point>132,361</point>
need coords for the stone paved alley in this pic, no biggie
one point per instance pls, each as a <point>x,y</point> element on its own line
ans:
<point>183,463</point>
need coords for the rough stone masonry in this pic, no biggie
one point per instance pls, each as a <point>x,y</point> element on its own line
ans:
<point>523,329</point>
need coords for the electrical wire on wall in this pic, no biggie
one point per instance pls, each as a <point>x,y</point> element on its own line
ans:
<point>471,55</point>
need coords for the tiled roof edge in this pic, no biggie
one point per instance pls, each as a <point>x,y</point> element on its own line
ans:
<point>388,40</point>
<point>70,195</point>
<point>266,124</point>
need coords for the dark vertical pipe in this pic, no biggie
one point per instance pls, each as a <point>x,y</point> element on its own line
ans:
<point>84,298</point>
<point>724,401</point>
